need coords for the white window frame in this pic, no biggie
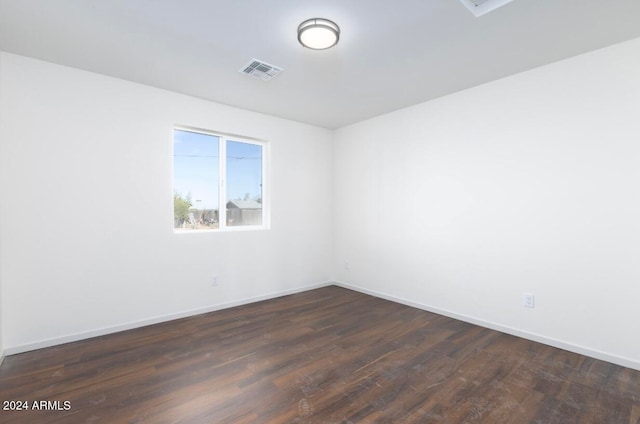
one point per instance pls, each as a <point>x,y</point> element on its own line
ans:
<point>222,183</point>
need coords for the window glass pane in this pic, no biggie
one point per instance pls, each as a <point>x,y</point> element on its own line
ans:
<point>195,180</point>
<point>244,183</point>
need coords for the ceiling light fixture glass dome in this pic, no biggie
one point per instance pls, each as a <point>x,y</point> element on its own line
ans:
<point>318,33</point>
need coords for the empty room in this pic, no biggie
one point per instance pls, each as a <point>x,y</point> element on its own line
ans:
<point>260,211</point>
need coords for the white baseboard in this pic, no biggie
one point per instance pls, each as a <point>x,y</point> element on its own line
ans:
<point>604,356</point>
<point>625,362</point>
<point>155,320</point>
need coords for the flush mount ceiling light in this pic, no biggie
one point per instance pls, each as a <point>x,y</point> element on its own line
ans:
<point>318,33</point>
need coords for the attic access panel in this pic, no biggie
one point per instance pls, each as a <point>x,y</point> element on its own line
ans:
<point>480,7</point>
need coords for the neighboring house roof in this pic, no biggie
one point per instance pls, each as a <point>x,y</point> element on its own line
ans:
<point>244,204</point>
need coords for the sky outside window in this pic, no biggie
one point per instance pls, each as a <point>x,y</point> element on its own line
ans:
<point>196,168</point>
<point>244,171</point>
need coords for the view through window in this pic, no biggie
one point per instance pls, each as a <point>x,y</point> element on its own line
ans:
<point>211,170</point>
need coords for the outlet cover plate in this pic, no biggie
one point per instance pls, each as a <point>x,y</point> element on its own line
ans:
<point>529,300</point>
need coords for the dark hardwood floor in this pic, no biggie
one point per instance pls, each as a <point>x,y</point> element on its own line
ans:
<point>324,356</point>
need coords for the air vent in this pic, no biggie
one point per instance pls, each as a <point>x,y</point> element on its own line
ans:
<point>480,7</point>
<point>259,69</point>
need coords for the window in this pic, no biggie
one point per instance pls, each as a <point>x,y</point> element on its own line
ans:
<point>210,170</point>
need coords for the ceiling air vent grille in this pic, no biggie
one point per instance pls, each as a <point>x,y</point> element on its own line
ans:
<point>259,69</point>
<point>480,7</point>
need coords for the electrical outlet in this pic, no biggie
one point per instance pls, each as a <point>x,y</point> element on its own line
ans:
<point>214,281</point>
<point>529,300</point>
<point>347,265</point>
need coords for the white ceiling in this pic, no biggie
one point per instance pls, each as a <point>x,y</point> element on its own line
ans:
<point>392,53</point>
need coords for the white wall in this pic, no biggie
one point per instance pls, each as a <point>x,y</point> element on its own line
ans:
<point>1,206</point>
<point>458,205</point>
<point>86,192</point>
<point>527,184</point>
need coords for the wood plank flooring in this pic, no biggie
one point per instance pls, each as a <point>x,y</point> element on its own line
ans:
<point>324,356</point>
